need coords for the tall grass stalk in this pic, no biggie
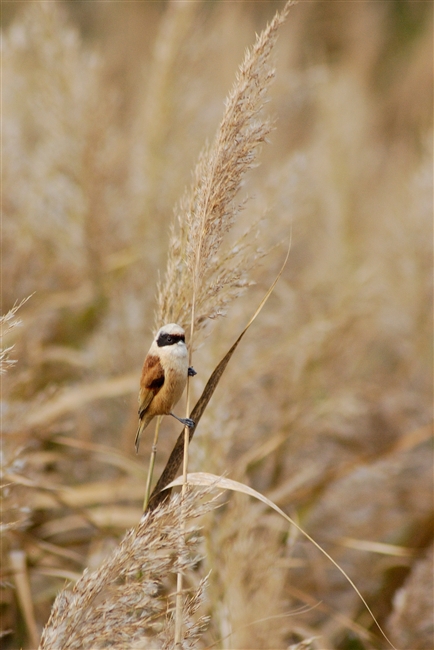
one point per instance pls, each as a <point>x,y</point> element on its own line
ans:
<point>152,463</point>
<point>210,210</point>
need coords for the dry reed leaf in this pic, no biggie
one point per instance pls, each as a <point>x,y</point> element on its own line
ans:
<point>413,438</point>
<point>92,493</point>
<point>306,644</point>
<point>57,300</point>
<point>377,547</point>
<point>305,480</point>
<point>86,500</point>
<point>18,568</point>
<point>54,549</point>
<point>104,454</point>
<point>345,621</point>
<point>176,456</point>
<point>70,576</point>
<point>257,454</point>
<point>62,354</point>
<point>204,479</point>
<point>156,118</point>
<point>104,517</point>
<point>69,399</point>
<point>64,525</point>
<point>112,516</point>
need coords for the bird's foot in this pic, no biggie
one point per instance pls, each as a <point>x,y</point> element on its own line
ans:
<point>191,372</point>
<point>187,422</point>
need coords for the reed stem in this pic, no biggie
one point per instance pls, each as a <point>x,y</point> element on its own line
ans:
<point>178,608</point>
<point>152,463</point>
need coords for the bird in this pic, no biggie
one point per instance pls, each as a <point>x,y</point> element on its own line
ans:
<point>164,377</point>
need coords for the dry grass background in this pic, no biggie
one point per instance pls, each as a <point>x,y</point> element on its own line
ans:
<point>326,405</point>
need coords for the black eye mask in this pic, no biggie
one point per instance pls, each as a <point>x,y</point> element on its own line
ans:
<point>169,339</point>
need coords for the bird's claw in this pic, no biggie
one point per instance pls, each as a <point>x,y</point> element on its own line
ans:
<point>187,422</point>
<point>191,372</point>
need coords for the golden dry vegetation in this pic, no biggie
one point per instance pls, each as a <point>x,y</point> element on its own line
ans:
<point>326,405</point>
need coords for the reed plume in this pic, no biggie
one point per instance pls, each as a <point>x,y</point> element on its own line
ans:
<point>121,603</point>
<point>7,323</point>
<point>203,275</point>
<point>201,279</point>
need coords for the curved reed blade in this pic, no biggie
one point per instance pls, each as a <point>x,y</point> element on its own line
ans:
<point>204,479</point>
<point>176,456</point>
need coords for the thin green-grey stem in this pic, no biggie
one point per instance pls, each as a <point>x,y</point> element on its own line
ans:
<point>178,605</point>
<point>151,464</point>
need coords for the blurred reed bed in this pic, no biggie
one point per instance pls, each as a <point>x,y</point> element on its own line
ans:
<point>325,407</point>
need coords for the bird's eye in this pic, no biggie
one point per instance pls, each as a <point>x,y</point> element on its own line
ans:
<point>169,339</point>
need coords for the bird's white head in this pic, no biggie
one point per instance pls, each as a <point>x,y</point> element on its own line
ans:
<point>171,334</point>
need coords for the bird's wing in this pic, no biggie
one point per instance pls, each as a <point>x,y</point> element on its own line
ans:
<point>151,381</point>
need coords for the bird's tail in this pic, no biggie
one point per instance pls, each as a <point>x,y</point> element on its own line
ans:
<point>142,426</point>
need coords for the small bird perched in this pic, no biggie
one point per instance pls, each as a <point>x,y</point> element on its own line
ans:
<point>164,376</point>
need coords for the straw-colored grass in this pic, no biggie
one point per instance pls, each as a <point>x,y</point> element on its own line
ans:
<point>123,603</point>
<point>202,277</point>
<point>326,405</point>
